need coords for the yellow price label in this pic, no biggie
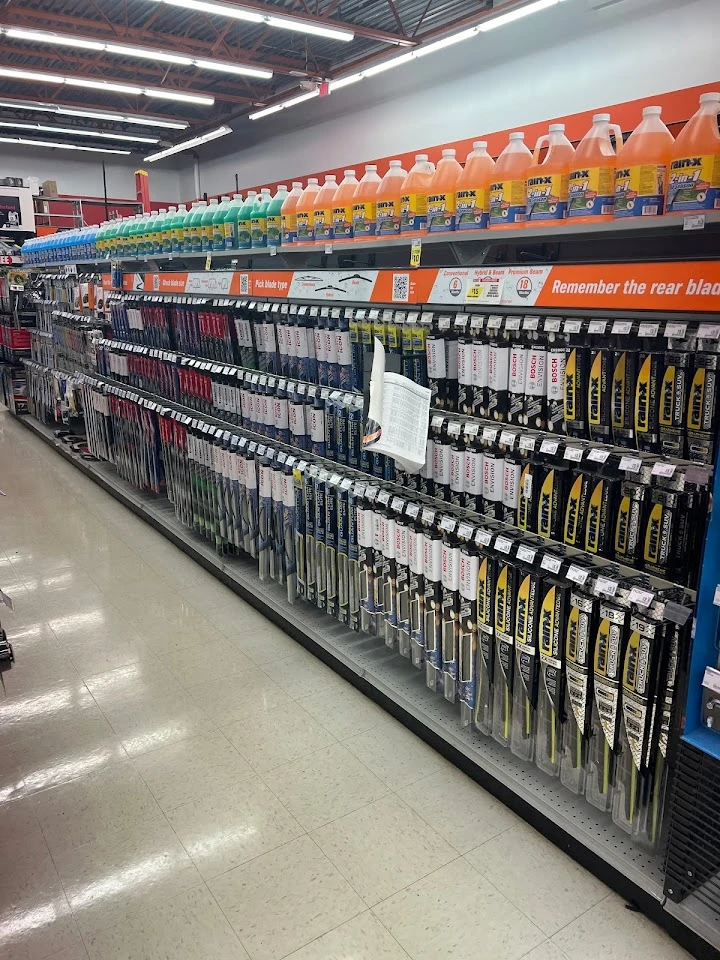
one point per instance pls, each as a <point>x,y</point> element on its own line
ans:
<point>475,292</point>
<point>208,261</point>
<point>415,253</point>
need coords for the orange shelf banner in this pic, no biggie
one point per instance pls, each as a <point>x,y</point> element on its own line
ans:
<point>667,287</point>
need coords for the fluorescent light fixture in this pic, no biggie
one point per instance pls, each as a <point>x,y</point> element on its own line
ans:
<point>516,14</point>
<point>119,117</point>
<point>76,131</point>
<point>345,81</point>
<point>389,64</point>
<point>102,85</point>
<point>217,9</point>
<point>314,29</point>
<point>61,146</point>
<point>282,23</point>
<point>146,121</point>
<point>142,53</point>
<point>108,86</point>
<point>39,36</point>
<point>235,68</point>
<point>14,74</point>
<point>259,114</point>
<point>276,108</point>
<point>189,144</point>
<point>446,42</point>
<point>176,95</point>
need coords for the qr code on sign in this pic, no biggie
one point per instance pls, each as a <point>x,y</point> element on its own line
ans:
<point>401,287</point>
<point>244,284</point>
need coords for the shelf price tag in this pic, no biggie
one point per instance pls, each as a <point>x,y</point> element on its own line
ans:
<point>643,598</point>
<point>527,443</point>
<point>577,574</point>
<point>397,504</point>
<point>415,252</point>
<point>483,538</point>
<point>631,464</point>
<point>507,438</point>
<point>694,221</point>
<point>573,453</point>
<point>597,326</point>
<point>413,509</point>
<point>709,331</point>
<point>526,554</point>
<point>663,470</point>
<point>622,326</point>
<point>598,455</point>
<point>605,585</point>
<point>572,326</point>
<point>649,329</point>
<point>490,434</point>
<point>208,261</point>
<point>448,524</point>
<point>549,446</point>
<point>675,330</point>
<point>503,544</point>
<point>465,531</point>
<point>553,564</point>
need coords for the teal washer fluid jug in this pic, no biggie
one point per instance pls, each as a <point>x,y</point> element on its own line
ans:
<point>177,230</point>
<point>274,217</point>
<point>166,229</point>
<point>258,220</point>
<point>231,220</point>
<point>196,227</point>
<point>244,238</point>
<point>206,226</point>
<point>218,224</point>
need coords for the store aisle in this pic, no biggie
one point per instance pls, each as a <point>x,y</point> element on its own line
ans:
<point>181,780</point>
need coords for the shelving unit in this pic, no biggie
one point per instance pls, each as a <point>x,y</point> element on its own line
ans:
<point>589,836</point>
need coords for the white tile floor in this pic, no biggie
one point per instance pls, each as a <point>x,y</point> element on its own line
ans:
<point>181,781</point>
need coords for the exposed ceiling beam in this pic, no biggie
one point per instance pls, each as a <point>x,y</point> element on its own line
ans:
<point>93,30</point>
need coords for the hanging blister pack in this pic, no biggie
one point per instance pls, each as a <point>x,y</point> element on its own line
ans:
<point>331,545</point>
<point>639,682</point>
<point>555,386</point>
<point>647,402</point>
<point>309,475</point>
<point>432,580</point>
<point>674,389</point>
<point>527,619</point>
<point>627,541</point>
<point>608,660</point>
<point>450,577</point>
<point>602,508</point>
<point>554,611</point>
<point>576,508</point>
<point>468,631</point>
<point>416,587</point>
<point>320,493</point>
<point>536,385</point>
<point>702,408</point>
<point>579,637</point>
<point>388,575</point>
<point>498,374</point>
<point>479,359</point>
<point>577,368</point>
<point>485,670</point>
<point>503,674</point>
<point>598,392</point>
<point>402,578</point>
<point>517,365</point>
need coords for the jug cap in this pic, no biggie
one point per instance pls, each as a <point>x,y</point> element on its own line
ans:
<point>709,97</point>
<point>480,145</point>
<point>652,111</point>
<point>349,173</point>
<point>448,153</point>
<point>601,118</point>
<point>557,128</point>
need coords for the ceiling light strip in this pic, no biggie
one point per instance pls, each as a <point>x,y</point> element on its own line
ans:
<point>78,131</point>
<point>108,86</point>
<point>148,121</point>
<point>189,144</point>
<point>142,53</point>
<point>251,16</point>
<point>61,146</point>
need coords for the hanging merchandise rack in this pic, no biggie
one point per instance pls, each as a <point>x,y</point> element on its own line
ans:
<point>225,407</point>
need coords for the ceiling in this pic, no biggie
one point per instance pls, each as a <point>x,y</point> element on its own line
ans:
<point>381,28</point>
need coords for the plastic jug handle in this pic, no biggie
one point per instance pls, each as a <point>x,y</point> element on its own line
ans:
<point>617,130</point>
<point>545,138</point>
